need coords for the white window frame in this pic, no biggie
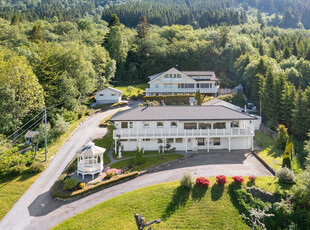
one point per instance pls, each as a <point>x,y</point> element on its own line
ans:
<point>146,124</point>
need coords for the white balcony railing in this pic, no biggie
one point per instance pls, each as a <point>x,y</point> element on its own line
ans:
<point>166,133</point>
<point>179,90</point>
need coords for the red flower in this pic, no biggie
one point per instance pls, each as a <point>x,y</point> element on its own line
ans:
<point>221,179</point>
<point>238,179</point>
<point>201,181</point>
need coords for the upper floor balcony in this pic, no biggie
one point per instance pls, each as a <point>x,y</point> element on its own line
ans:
<point>184,133</point>
<point>181,90</point>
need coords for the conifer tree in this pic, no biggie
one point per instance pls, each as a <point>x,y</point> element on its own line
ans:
<point>143,27</point>
<point>198,97</point>
<point>267,95</point>
<point>299,116</point>
<point>286,53</point>
<point>282,137</point>
<point>14,20</point>
<point>278,87</point>
<point>287,104</point>
<point>114,21</point>
<point>37,34</point>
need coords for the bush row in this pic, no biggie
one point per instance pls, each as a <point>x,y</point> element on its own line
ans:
<point>170,99</point>
<point>58,193</point>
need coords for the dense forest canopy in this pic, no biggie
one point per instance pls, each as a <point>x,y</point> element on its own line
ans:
<point>198,13</point>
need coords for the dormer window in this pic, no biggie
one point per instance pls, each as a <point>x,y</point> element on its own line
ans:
<point>173,124</point>
<point>160,124</point>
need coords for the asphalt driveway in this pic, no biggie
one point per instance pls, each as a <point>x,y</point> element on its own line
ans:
<point>44,212</point>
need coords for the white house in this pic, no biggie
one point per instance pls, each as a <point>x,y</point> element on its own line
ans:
<point>184,128</point>
<point>215,101</point>
<point>176,82</point>
<point>108,95</point>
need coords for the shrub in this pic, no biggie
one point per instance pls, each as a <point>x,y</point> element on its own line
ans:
<point>252,178</point>
<point>238,179</point>
<point>201,182</point>
<point>187,180</point>
<point>138,157</point>
<point>286,175</point>
<point>17,170</point>
<point>36,167</point>
<point>70,183</point>
<point>70,116</point>
<point>221,179</point>
<point>282,137</point>
<point>112,172</point>
<point>81,185</point>
<point>286,160</point>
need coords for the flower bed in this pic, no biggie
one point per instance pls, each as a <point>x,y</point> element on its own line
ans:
<point>252,178</point>
<point>221,179</point>
<point>202,182</point>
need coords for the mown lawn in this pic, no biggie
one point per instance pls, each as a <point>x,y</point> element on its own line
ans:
<point>178,208</point>
<point>132,153</point>
<point>12,188</point>
<point>149,161</point>
<point>106,142</point>
<point>138,89</point>
<point>269,152</point>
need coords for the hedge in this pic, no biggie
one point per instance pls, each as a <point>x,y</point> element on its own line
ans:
<point>57,191</point>
<point>181,99</point>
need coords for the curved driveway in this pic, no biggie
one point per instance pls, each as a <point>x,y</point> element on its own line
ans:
<point>37,210</point>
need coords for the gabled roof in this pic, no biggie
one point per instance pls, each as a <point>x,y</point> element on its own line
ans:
<point>91,150</point>
<point>216,101</point>
<point>111,88</point>
<point>212,101</point>
<point>181,113</point>
<point>31,134</point>
<point>189,74</point>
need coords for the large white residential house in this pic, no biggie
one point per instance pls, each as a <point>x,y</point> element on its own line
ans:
<point>176,82</point>
<point>183,128</point>
<point>108,95</point>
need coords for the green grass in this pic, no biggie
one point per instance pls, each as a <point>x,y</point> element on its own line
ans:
<point>149,161</point>
<point>106,142</point>
<point>12,188</point>
<point>178,208</point>
<point>269,152</point>
<point>138,89</point>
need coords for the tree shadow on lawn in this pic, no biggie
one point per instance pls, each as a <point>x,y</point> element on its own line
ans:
<point>199,192</point>
<point>217,192</point>
<point>274,151</point>
<point>179,199</point>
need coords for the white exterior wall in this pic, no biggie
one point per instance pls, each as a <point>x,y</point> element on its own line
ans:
<point>147,138</point>
<point>169,86</point>
<point>108,96</point>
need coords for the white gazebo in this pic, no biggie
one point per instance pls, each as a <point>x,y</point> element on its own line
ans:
<point>90,160</point>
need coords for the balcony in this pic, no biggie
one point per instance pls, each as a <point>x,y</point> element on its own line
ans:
<point>181,90</point>
<point>171,133</point>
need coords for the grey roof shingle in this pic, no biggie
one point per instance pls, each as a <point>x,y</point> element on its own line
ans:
<point>201,73</point>
<point>161,113</point>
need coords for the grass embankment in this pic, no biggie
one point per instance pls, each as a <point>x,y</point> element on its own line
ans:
<point>178,208</point>
<point>269,152</point>
<point>137,89</point>
<point>13,187</point>
<point>149,161</point>
<point>146,153</point>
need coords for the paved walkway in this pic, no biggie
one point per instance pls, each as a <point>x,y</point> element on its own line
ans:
<point>44,212</point>
<point>21,215</point>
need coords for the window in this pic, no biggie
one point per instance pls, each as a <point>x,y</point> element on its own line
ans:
<point>216,141</point>
<point>131,124</point>
<point>132,140</point>
<point>123,140</point>
<point>201,141</point>
<point>166,76</point>
<point>204,85</point>
<point>159,141</point>
<point>124,125</point>
<point>173,124</point>
<point>190,125</point>
<point>160,124</point>
<point>146,139</point>
<point>186,86</point>
<point>146,124</point>
<point>204,125</point>
<point>219,125</point>
<point>235,124</point>
<point>113,94</point>
<point>170,140</point>
<point>170,86</point>
<point>101,95</point>
<point>178,140</point>
<point>179,76</point>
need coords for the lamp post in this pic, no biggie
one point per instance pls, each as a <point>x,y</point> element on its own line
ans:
<point>275,167</point>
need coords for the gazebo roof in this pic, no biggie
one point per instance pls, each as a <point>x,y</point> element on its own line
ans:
<point>30,134</point>
<point>91,150</point>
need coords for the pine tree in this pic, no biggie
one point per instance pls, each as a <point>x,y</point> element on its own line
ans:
<point>15,20</point>
<point>278,87</point>
<point>37,34</point>
<point>114,21</point>
<point>267,95</point>
<point>223,35</point>
<point>287,105</point>
<point>299,116</point>
<point>142,27</point>
<point>282,137</point>
<point>286,53</point>
<point>198,97</point>
<point>273,52</point>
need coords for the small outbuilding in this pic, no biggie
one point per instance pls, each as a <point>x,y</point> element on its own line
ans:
<point>90,160</point>
<point>30,135</point>
<point>108,95</point>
